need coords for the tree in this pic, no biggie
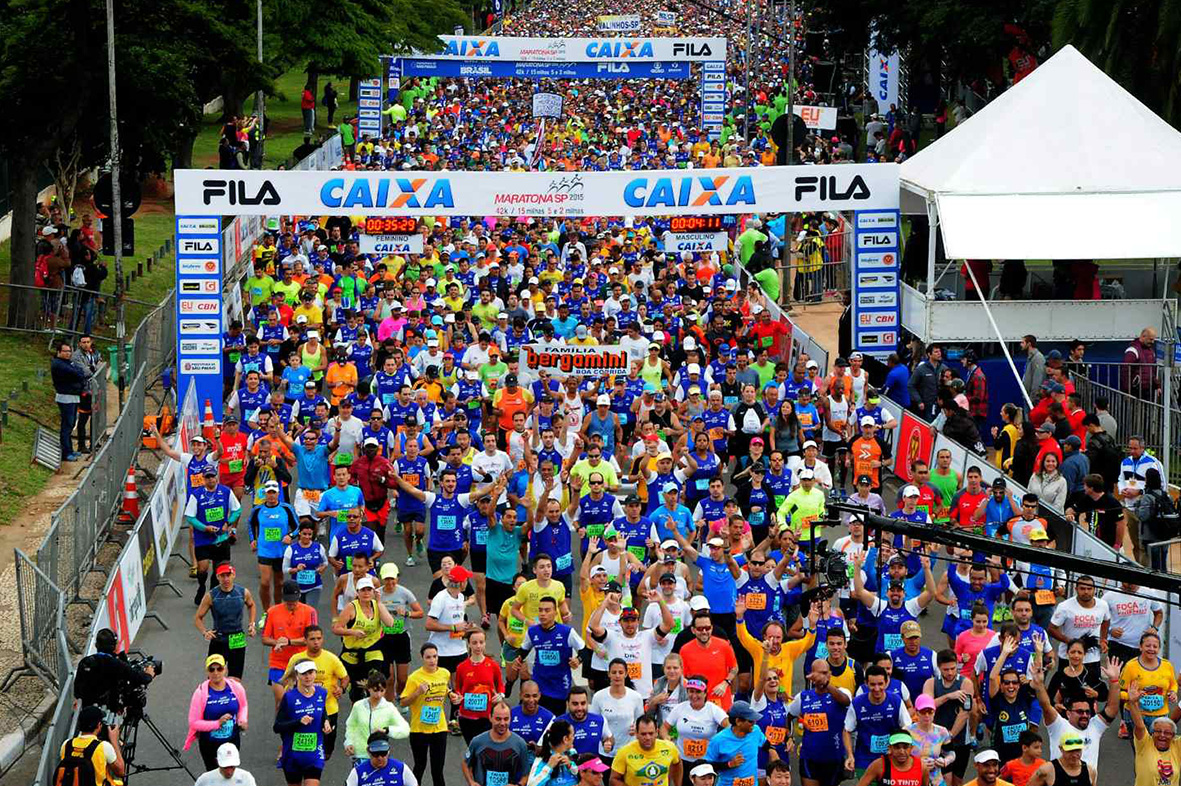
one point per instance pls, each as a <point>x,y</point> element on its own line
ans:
<point>1137,44</point>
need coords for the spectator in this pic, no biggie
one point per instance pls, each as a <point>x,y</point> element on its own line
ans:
<point>1103,453</point>
<point>1074,359</point>
<point>1105,418</point>
<point>307,104</point>
<point>896,386</point>
<point>1046,444</point>
<point>329,101</point>
<point>976,389</point>
<point>1004,438</point>
<point>1139,377</point>
<point>1151,508</point>
<point>1048,482</point>
<point>923,386</point>
<point>1025,453</point>
<point>1035,366</point>
<point>1107,521</point>
<point>981,269</point>
<point>1132,474</point>
<point>1075,464</point>
<point>69,382</point>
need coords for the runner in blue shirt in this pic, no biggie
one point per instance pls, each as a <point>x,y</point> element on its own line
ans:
<point>672,516</point>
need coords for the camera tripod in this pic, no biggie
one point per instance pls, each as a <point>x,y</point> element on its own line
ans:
<point>129,739</point>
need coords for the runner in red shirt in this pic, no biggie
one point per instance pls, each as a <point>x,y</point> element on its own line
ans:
<point>769,334</point>
<point>233,455</point>
<point>476,685</point>
<point>967,506</point>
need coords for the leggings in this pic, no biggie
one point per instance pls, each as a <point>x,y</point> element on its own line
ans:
<point>472,727</point>
<point>434,745</point>
<point>208,746</point>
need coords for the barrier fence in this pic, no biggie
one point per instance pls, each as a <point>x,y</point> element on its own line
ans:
<point>80,526</point>
<point>801,342</point>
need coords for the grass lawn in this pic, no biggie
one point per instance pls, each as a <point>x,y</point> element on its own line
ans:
<point>286,131</point>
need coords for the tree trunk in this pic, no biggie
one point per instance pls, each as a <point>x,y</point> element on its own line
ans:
<point>22,303</point>
<point>232,98</point>
<point>313,72</point>
<point>182,155</point>
<point>354,88</point>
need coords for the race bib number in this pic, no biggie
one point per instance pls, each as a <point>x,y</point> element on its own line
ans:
<point>196,479</point>
<point>777,734</point>
<point>515,625</point>
<point>235,357</point>
<point>563,562</point>
<point>1011,734</point>
<point>306,577</point>
<point>747,781</point>
<point>756,518</point>
<point>639,552</point>
<point>821,650</point>
<point>756,601</point>
<point>342,516</point>
<point>388,399</point>
<point>879,743</point>
<point>223,732</point>
<point>676,628</point>
<point>399,626</point>
<point>816,721</point>
<point>236,641</point>
<point>716,434</point>
<point>272,533</point>
<point>766,341</point>
<point>634,671</point>
<point>702,484</point>
<point>495,778</point>
<point>475,702</point>
<point>430,714</point>
<point>304,741</point>
<point>312,495</point>
<point>235,465</point>
<point>445,522</point>
<point>215,514</point>
<point>893,641</point>
<point>1044,598</point>
<point>1152,702</point>
<point>595,530</point>
<point>549,657</point>
<point>481,537</point>
<point>695,749</point>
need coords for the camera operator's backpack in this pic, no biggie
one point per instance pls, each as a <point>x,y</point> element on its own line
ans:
<point>77,766</point>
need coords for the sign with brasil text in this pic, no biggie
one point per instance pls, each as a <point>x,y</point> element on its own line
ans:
<point>573,50</point>
<point>573,361</point>
<point>648,193</point>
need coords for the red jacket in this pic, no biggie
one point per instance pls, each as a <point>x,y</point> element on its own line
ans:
<point>375,476</point>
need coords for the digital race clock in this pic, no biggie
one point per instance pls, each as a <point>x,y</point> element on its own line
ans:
<point>696,224</point>
<point>405,225</point>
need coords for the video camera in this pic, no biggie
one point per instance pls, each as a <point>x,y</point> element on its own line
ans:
<point>117,682</point>
<point>132,696</point>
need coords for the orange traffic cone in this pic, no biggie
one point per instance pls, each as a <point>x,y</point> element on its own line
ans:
<point>130,511</point>
<point>209,426</point>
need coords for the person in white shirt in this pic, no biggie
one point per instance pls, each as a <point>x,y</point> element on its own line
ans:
<point>348,427</point>
<point>1135,610</point>
<point>490,464</point>
<point>810,461</point>
<point>635,343</point>
<point>620,707</point>
<point>447,616</point>
<point>432,357</point>
<point>678,609</point>
<point>1082,615</point>
<point>228,772</point>
<point>630,644</point>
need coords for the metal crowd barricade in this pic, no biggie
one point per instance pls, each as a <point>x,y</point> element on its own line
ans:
<point>79,527</point>
<point>154,342</point>
<point>41,607</point>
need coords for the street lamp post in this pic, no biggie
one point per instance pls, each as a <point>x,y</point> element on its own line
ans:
<point>116,209</point>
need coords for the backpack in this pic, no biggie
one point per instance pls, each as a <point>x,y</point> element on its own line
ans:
<point>76,767</point>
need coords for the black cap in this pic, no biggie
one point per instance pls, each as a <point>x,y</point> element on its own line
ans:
<point>633,499</point>
<point>290,590</point>
<point>510,379</point>
<point>999,483</point>
<point>866,479</point>
<point>612,586</point>
<point>841,362</point>
<point>897,585</point>
<point>89,717</point>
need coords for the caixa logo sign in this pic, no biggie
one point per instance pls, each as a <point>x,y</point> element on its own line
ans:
<point>618,48</point>
<point>473,47</point>
<point>387,192</point>
<point>831,187</point>
<point>238,192</point>
<point>690,191</point>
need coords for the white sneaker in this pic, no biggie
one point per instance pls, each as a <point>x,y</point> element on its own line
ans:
<point>410,561</point>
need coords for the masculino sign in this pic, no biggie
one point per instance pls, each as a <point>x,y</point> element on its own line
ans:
<point>588,50</point>
<point>572,361</point>
<point>696,241</point>
<point>647,193</point>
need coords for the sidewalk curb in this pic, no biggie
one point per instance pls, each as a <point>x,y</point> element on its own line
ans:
<point>14,744</point>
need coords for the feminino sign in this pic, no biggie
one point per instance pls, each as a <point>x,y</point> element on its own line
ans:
<point>650,193</point>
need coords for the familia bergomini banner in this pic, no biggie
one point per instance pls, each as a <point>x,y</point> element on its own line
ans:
<point>564,361</point>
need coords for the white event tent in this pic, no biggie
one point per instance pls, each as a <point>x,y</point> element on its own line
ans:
<point>1058,167</point>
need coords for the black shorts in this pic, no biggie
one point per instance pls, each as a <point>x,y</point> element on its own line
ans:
<point>214,553</point>
<point>412,518</point>
<point>495,594</point>
<point>826,773</point>
<point>300,774</point>
<point>831,448</point>
<point>434,558</point>
<point>960,765</point>
<point>395,647</point>
<point>275,563</point>
<point>479,562</point>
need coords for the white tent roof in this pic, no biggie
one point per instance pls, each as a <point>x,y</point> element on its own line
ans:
<point>1060,166</point>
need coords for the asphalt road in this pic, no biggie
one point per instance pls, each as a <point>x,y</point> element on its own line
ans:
<point>183,651</point>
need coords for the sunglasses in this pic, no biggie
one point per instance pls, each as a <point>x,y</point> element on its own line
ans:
<point>212,669</point>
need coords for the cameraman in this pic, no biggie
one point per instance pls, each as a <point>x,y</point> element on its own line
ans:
<point>88,752</point>
<point>103,676</point>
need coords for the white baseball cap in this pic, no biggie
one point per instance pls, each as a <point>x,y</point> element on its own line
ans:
<point>806,474</point>
<point>366,581</point>
<point>910,491</point>
<point>227,753</point>
<point>694,368</point>
<point>690,342</point>
<point>304,666</point>
<point>603,400</point>
<point>867,420</point>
